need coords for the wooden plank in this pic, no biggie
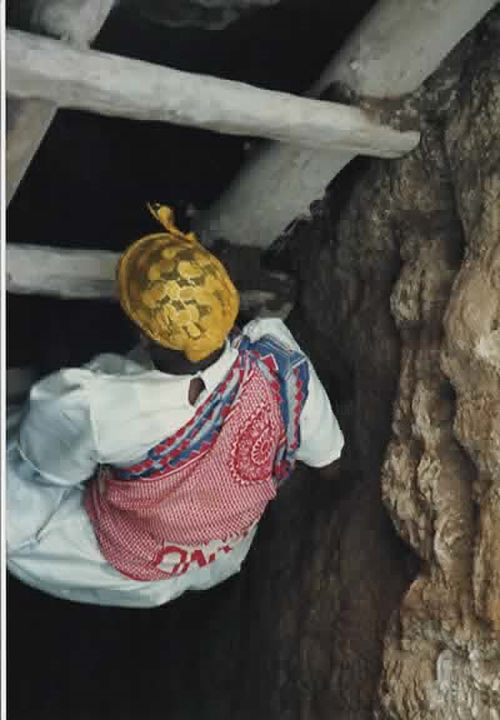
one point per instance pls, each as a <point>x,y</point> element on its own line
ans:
<point>65,273</point>
<point>117,86</point>
<point>77,22</point>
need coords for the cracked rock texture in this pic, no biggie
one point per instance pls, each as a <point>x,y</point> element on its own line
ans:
<point>441,477</point>
<point>399,272</point>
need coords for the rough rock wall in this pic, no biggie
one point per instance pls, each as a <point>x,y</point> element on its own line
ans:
<point>400,299</point>
<point>441,477</point>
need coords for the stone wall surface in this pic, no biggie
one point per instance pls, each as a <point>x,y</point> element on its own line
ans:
<point>441,476</point>
<point>399,271</point>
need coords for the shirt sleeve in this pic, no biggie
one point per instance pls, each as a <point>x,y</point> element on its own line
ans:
<point>56,435</point>
<point>321,439</point>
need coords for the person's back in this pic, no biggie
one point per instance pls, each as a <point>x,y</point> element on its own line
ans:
<point>133,479</point>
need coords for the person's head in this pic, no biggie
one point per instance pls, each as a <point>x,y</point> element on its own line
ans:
<point>178,295</point>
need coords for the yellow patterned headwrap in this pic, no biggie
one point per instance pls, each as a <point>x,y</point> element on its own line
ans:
<point>176,291</point>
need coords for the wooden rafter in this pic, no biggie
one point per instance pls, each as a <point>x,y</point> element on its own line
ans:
<point>394,49</point>
<point>41,68</point>
<point>90,274</point>
<point>65,273</point>
<point>28,120</point>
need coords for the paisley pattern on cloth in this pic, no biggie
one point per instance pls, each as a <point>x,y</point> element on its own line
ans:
<point>213,479</point>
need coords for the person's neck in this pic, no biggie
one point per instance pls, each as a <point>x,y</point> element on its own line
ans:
<point>174,362</point>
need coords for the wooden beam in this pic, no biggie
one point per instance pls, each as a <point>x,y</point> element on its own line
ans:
<point>27,123</point>
<point>42,68</point>
<point>90,274</point>
<point>77,22</point>
<point>399,44</point>
<point>33,269</point>
<point>395,48</point>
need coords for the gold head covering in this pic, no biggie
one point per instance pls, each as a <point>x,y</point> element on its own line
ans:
<point>176,291</point>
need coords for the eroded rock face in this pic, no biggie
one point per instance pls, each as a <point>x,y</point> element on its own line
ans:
<point>400,278</point>
<point>441,476</point>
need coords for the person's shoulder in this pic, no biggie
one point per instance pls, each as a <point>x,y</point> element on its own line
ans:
<point>72,381</point>
<point>271,337</point>
<point>273,327</point>
<point>61,382</point>
<point>57,397</point>
<point>113,364</point>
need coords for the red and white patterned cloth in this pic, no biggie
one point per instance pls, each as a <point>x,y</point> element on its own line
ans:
<point>111,412</point>
<point>160,526</point>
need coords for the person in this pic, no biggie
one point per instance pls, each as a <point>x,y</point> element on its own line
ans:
<point>135,478</point>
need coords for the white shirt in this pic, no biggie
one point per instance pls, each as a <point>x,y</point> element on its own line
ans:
<point>113,410</point>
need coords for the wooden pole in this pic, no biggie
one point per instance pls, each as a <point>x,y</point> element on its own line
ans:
<point>65,273</point>
<point>90,274</point>
<point>77,22</point>
<point>27,123</point>
<point>111,85</point>
<point>393,50</point>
